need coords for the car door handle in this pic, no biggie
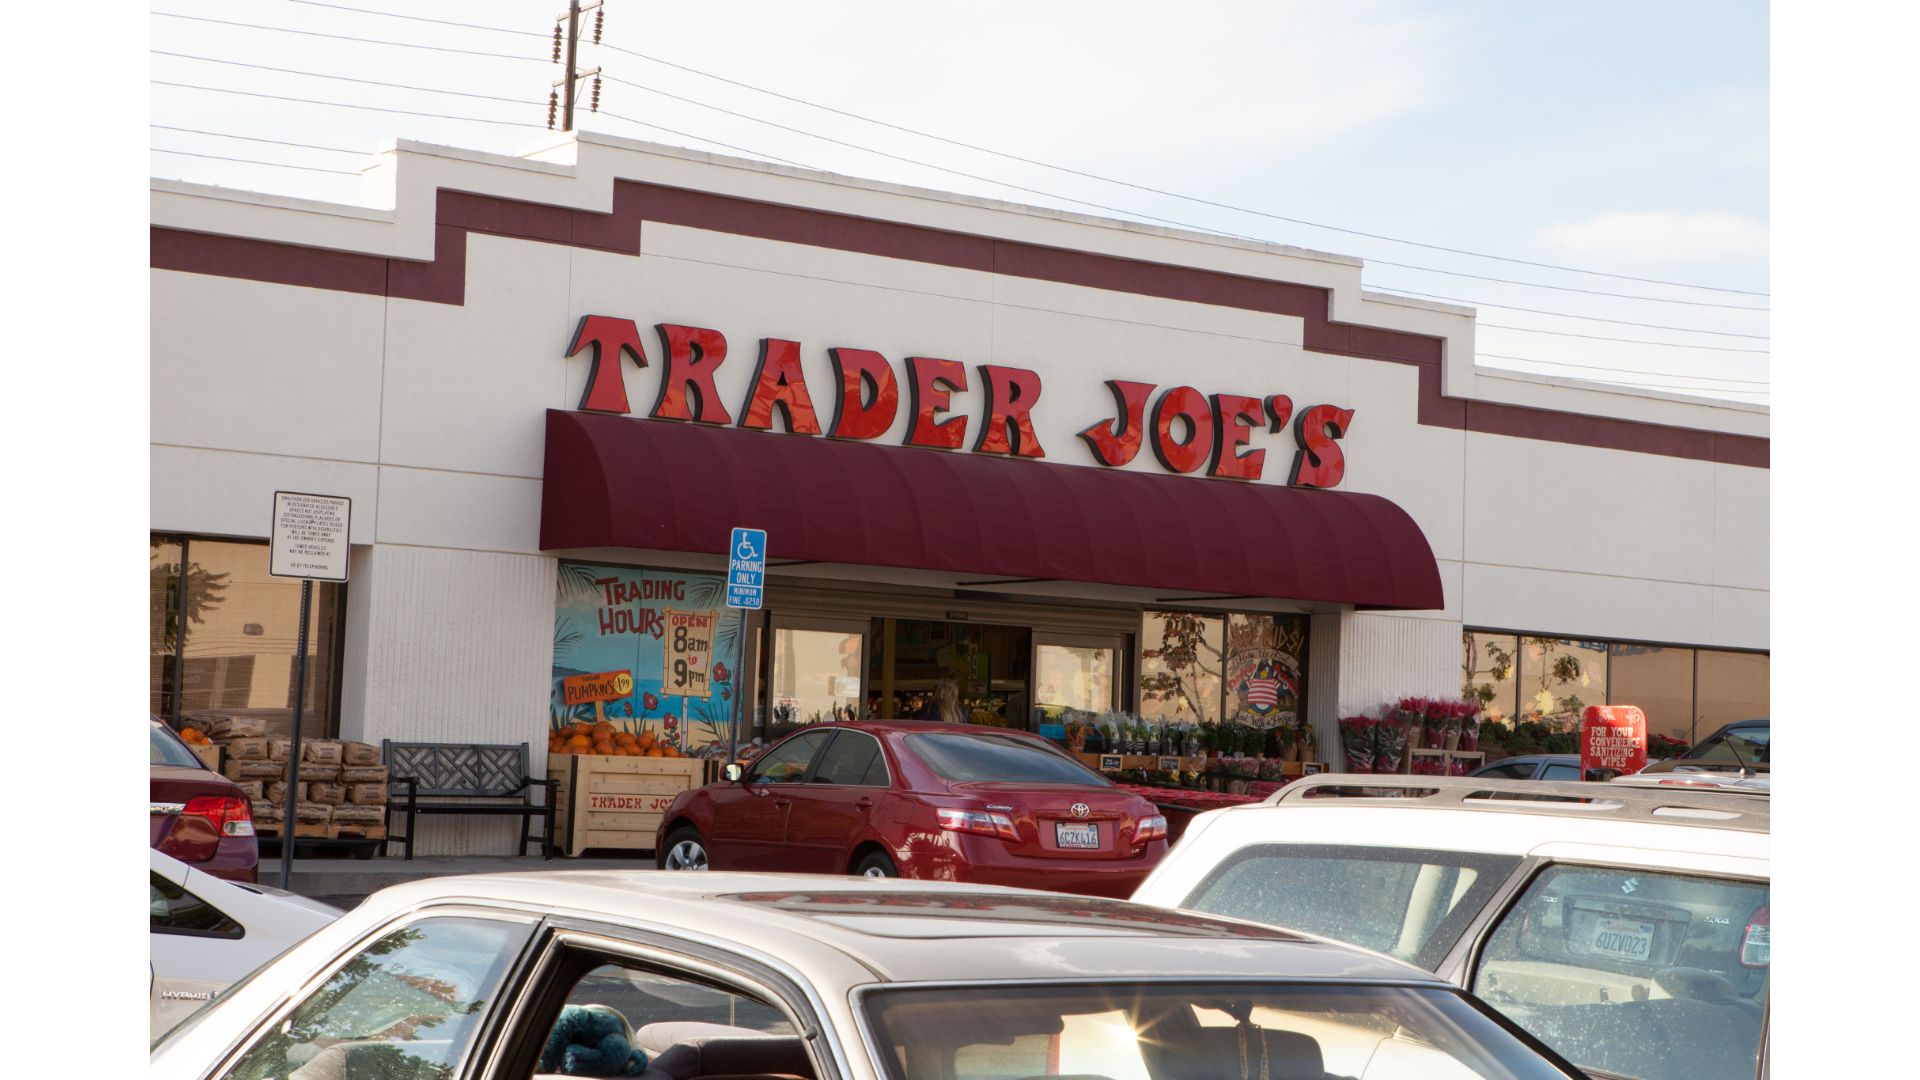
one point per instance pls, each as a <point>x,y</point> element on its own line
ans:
<point>783,802</point>
<point>863,802</point>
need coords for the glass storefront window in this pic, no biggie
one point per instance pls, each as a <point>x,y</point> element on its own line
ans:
<point>1490,674</point>
<point>816,677</point>
<point>1181,659</point>
<point>229,645</point>
<point>1658,680</point>
<point>1732,686</point>
<point>1073,677</point>
<point>1560,677</point>
<point>163,611</point>
<point>1265,668</point>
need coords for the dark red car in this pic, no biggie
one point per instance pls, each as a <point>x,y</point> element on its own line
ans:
<point>938,802</point>
<point>199,817</point>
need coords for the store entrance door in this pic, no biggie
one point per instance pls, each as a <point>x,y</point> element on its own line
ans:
<point>990,666</point>
<point>1079,673</point>
<point>816,667</point>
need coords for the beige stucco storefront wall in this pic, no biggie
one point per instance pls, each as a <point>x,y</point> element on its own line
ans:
<point>430,416</point>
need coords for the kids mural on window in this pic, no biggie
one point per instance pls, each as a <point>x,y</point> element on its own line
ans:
<point>671,638</point>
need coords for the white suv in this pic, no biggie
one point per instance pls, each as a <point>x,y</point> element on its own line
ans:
<point>1626,927</point>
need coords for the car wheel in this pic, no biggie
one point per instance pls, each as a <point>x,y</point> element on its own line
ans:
<point>685,850</point>
<point>876,865</point>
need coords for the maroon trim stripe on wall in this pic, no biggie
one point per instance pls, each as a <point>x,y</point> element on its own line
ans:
<point>443,281</point>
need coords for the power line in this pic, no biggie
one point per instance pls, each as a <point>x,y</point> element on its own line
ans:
<point>1625,341</point>
<point>345,105</point>
<point>1571,315</point>
<point>419,18</point>
<point>1050,165</point>
<point>1143,216</point>
<point>251,161</point>
<point>251,138</point>
<point>698,138</point>
<point>344,78</point>
<point>1625,371</point>
<point>1017,187</point>
<point>473,119</point>
<point>1171,194</point>
<point>348,37</point>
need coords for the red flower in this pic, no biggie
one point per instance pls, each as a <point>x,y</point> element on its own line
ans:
<point>720,672</point>
<point>1438,710</point>
<point>650,702</point>
<point>671,722</point>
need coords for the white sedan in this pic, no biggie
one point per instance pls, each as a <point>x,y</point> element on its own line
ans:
<point>674,976</point>
<point>207,933</point>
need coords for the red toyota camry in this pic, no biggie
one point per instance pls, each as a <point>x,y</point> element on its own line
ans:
<point>940,802</point>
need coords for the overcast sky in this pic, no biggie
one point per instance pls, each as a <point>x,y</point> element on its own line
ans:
<point>1627,138</point>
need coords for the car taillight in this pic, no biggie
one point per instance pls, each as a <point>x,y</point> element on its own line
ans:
<point>984,822</point>
<point>1756,943</point>
<point>230,815</point>
<point>1150,828</point>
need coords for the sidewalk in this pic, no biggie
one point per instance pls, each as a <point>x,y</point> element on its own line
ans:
<point>345,882</point>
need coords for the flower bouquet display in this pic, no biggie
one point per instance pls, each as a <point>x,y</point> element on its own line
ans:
<point>1390,741</point>
<point>1356,738</point>
<point>1468,713</point>
<point>1439,718</point>
<point>1413,710</point>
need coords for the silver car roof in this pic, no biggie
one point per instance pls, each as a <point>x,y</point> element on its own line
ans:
<point>849,931</point>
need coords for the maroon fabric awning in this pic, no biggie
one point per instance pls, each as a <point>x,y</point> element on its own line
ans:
<point>619,481</point>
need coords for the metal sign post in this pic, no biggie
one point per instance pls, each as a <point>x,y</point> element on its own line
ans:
<point>309,541</point>
<point>746,584</point>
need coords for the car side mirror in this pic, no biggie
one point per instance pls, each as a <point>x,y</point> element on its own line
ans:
<point>734,772</point>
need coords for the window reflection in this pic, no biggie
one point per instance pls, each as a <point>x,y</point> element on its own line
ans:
<point>816,677</point>
<point>1660,682</point>
<point>228,646</point>
<point>1181,654</point>
<point>1266,672</point>
<point>163,609</point>
<point>1073,677</point>
<point>1490,674</point>
<point>1733,686</point>
<point>1560,677</point>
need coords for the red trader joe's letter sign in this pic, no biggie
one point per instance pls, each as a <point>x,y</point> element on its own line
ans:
<point>602,686</point>
<point>1613,737</point>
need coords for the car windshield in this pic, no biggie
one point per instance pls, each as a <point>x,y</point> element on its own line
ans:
<point>1410,904</point>
<point>1193,1031</point>
<point>164,749</point>
<point>965,758</point>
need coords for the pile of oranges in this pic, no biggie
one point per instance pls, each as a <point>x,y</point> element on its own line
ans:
<point>603,738</point>
<point>194,736</point>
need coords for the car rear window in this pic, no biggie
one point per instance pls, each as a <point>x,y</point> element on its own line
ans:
<point>1407,903</point>
<point>963,758</point>
<point>164,749</point>
<point>1655,976</point>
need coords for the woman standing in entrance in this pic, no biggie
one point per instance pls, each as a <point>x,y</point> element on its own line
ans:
<point>944,706</point>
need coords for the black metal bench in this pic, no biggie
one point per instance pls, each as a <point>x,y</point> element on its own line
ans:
<point>466,778</point>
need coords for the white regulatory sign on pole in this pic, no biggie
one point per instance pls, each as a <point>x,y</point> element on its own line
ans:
<point>309,536</point>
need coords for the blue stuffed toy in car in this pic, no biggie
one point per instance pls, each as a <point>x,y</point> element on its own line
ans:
<point>592,1040</point>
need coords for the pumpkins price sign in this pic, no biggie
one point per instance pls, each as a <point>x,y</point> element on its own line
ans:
<point>688,656</point>
<point>600,686</point>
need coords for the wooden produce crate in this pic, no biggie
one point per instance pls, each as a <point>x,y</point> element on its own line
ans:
<point>208,753</point>
<point>607,801</point>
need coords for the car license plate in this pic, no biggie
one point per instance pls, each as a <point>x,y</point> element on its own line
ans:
<point>1622,939</point>
<point>1073,834</point>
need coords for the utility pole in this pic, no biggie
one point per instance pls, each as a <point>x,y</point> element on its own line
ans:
<point>566,91</point>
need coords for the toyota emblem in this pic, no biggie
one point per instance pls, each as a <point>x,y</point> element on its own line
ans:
<point>1080,810</point>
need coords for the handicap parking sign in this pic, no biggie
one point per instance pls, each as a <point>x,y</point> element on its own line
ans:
<point>746,567</point>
